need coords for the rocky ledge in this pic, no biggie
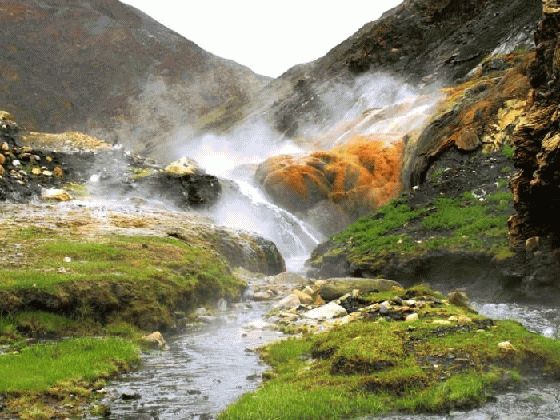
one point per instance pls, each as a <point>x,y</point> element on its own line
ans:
<point>31,163</point>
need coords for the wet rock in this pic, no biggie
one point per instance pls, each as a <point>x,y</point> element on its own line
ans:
<point>154,340</point>
<point>289,302</point>
<point>329,311</point>
<point>337,287</point>
<point>130,396</point>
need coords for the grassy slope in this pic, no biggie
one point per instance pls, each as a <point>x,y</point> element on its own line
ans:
<point>111,286</point>
<point>373,367</point>
<point>458,224</point>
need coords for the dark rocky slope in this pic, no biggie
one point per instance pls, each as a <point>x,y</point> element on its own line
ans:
<point>86,65</point>
<point>536,227</point>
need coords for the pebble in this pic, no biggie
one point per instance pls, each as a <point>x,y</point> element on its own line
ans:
<point>412,317</point>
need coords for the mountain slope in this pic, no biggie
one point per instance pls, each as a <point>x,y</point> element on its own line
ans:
<point>421,41</point>
<point>83,65</point>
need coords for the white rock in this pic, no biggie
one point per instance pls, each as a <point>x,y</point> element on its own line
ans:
<point>412,317</point>
<point>329,311</point>
<point>289,302</point>
<point>67,259</point>
<point>55,194</point>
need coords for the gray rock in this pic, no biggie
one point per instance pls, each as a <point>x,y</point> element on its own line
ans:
<point>337,287</point>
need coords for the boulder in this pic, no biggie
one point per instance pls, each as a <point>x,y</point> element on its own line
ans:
<point>355,178</point>
<point>334,288</point>
<point>329,311</point>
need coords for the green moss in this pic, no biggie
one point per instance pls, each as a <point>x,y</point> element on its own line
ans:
<point>40,367</point>
<point>454,224</point>
<point>370,367</point>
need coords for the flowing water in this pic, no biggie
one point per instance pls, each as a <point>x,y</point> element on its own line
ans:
<point>206,368</point>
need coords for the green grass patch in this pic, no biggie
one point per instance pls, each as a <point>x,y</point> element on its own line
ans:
<point>38,368</point>
<point>466,223</point>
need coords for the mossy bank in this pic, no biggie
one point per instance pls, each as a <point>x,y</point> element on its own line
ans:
<point>78,294</point>
<point>443,358</point>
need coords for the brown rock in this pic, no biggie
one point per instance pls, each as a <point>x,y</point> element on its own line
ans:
<point>468,141</point>
<point>58,172</point>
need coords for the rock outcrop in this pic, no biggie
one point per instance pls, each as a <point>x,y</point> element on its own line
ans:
<point>33,161</point>
<point>421,41</point>
<point>339,184</point>
<point>536,227</point>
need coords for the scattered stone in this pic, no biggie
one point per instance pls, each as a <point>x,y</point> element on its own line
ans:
<point>464,320</point>
<point>335,288</point>
<point>441,322</point>
<point>303,297</point>
<point>458,298</point>
<point>262,296</point>
<point>154,340</point>
<point>329,311</point>
<point>58,172</point>
<point>258,324</point>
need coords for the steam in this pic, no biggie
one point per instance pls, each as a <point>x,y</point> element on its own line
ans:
<point>377,106</point>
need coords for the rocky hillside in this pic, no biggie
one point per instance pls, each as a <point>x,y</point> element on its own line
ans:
<point>422,41</point>
<point>454,212</point>
<point>101,65</point>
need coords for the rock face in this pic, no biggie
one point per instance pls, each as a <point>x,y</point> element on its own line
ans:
<point>537,156</point>
<point>103,65</point>
<point>339,185</point>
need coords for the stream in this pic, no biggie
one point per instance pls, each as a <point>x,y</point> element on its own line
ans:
<point>210,365</point>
